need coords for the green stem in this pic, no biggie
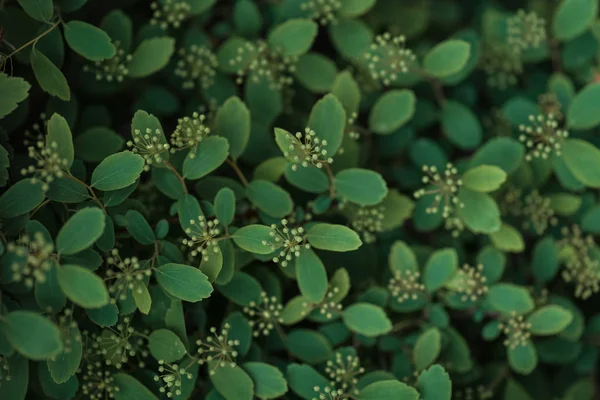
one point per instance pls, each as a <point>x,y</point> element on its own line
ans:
<point>34,40</point>
<point>91,190</point>
<point>174,170</point>
<point>331,180</point>
<point>238,171</point>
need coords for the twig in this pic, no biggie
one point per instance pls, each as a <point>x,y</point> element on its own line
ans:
<point>238,171</point>
<point>331,180</point>
<point>174,170</point>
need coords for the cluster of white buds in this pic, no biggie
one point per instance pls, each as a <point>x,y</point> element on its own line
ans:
<point>114,69</point>
<point>264,315</point>
<point>525,31</point>
<point>470,283</point>
<point>327,307</point>
<point>218,347</point>
<point>480,392</point>
<point>388,58</point>
<point>369,221</point>
<point>4,370</point>
<point>150,144</point>
<point>196,66</point>
<point>516,330</point>
<point>124,275</point>
<point>537,212</point>
<point>543,137</point>
<point>406,285</point>
<point>288,241</point>
<point>259,61</point>
<point>307,149</point>
<point>329,393</point>
<point>202,236</point>
<point>48,165</point>
<point>116,345</point>
<point>344,372</point>
<point>34,259</point>
<point>445,189</point>
<point>171,377</point>
<point>350,128</point>
<point>502,65</point>
<point>98,382</point>
<point>170,13</point>
<point>581,268</point>
<point>188,133</point>
<point>323,11</point>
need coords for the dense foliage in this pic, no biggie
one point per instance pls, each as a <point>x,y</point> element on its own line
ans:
<point>299,199</point>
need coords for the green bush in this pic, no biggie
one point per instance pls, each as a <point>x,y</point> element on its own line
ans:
<point>299,199</point>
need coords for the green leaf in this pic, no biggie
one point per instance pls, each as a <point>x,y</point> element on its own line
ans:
<point>391,111</point>
<point>356,8</point>
<point>427,348</point>
<point>402,258</point>
<point>242,289</point>
<point>484,178</point>
<point>361,186</point>
<point>440,268</point>
<point>434,384</point>
<point>17,387</point>
<point>388,390</point>
<point>144,123</point>
<point>447,58</point>
<point>65,365</point>
<point>328,120</point>
<point>80,231</point>
<point>131,389</point>
<point>269,382</point>
<point>232,122</point>
<point>514,391</point>
<point>59,136</point>
<point>367,319</point>
<point>584,112</point>
<point>117,171</point>
<point>508,239</point>
<point>565,204</point>
<point>210,154</point>
<point>89,41</point>
<point>166,346</point>
<point>48,294</point>
<point>53,390</point>
<point>545,263</point>
<point>51,80</point>
<point>188,210</point>
<point>141,297</point>
<point>315,72</point>
<point>549,320</point>
<point>583,160</point>
<point>480,212</point>
<point>40,10</point>
<point>139,228</point>
<point>225,206</point>
<point>183,282</point>
<point>21,198</point>
<point>461,125</point>
<point>310,178</point>
<point>254,238</point>
<point>223,380</point>
<point>14,90</point>
<point>573,17</point>
<point>503,152</point>
<point>294,37</point>
<point>32,335</point>
<point>347,92</point>
<point>303,379</point>
<point>82,286</point>
<point>311,276</point>
<point>269,198</point>
<point>151,56</point>
<point>333,237</point>
<point>309,346</point>
<point>507,297</point>
<point>523,358</point>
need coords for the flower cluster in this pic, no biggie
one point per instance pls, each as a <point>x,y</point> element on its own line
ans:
<point>124,275</point>
<point>34,259</point>
<point>287,241</point>
<point>306,149</point>
<point>516,330</point>
<point>188,133</point>
<point>368,221</point>
<point>323,11</point>
<point>218,348</point>
<point>114,69</point>
<point>116,345</point>
<point>98,381</point>
<point>264,314</point>
<point>328,306</point>
<point>196,67</point>
<point>388,58</point>
<point>543,137</point>
<point>479,392</point>
<point>202,236</point>
<point>581,267</point>
<point>406,285</point>
<point>525,30</point>
<point>537,212</point>
<point>329,393</point>
<point>470,283</point>
<point>259,61</point>
<point>49,164</point>
<point>150,144</point>
<point>171,377</point>
<point>502,65</point>
<point>344,372</point>
<point>169,13</point>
